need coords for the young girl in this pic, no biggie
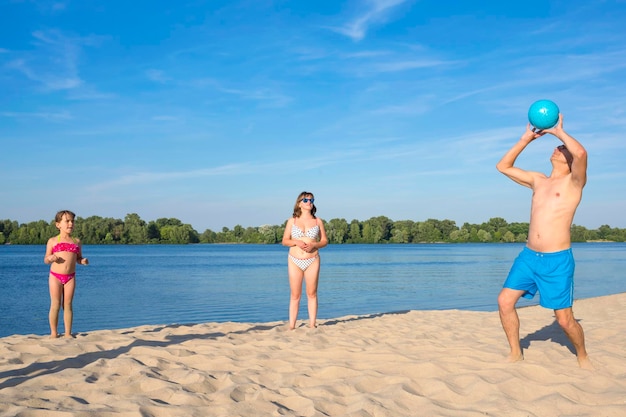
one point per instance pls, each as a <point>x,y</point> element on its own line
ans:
<point>63,252</point>
<point>305,235</point>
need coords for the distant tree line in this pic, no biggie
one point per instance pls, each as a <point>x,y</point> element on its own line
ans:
<point>97,230</point>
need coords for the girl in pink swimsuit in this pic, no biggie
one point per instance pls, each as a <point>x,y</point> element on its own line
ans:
<point>304,235</point>
<point>63,252</point>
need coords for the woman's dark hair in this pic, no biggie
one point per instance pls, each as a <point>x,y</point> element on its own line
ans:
<point>297,211</point>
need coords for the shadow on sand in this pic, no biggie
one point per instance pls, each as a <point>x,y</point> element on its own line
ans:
<point>552,332</point>
<point>16,377</point>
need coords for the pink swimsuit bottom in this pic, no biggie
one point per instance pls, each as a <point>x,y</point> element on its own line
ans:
<point>65,247</point>
<point>63,278</point>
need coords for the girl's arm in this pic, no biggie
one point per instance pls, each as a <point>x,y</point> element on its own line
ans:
<point>49,257</point>
<point>79,256</point>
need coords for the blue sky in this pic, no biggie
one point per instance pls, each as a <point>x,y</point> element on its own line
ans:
<point>219,113</point>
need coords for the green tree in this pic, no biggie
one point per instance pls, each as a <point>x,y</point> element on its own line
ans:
<point>496,223</point>
<point>176,234</point>
<point>426,232</point>
<point>268,234</point>
<point>153,233</point>
<point>484,236</point>
<point>239,231</point>
<point>460,235</point>
<point>377,230</point>
<point>337,230</point>
<point>208,236</point>
<point>161,222</point>
<point>226,236</point>
<point>354,234</point>
<point>401,231</point>
<point>445,227</point>
<point>519,228</point>
<point>135,229</point>
<point>250,235</point>
<point>7,227</point>
<point>508,237</point>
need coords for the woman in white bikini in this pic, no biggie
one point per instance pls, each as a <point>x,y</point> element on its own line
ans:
<point>304,235</point>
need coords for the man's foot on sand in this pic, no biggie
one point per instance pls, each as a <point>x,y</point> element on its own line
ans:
<point>585,363</point>
<point>512,358</point>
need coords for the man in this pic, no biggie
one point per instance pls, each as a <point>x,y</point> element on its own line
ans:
<point>546,264</point>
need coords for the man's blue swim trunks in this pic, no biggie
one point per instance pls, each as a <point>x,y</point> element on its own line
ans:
<point>551,273</point>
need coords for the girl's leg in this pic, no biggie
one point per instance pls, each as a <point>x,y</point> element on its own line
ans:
<point>68,312</point>
<point>56,293</point>
<point>295,284</point>
<point>311,276</point>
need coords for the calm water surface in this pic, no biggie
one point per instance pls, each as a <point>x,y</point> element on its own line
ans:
<point>126,286</point>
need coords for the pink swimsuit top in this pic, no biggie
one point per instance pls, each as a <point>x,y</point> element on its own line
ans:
<point>65,247</point>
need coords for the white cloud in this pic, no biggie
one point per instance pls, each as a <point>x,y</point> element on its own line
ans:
<point>49,116</point>
<point>378,12</point>
<point>156,76</point>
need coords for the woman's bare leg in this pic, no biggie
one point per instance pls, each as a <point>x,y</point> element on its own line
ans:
<point>311,276</point>
<point>296,276</point>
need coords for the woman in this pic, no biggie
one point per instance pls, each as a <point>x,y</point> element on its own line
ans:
<point>305,235</point>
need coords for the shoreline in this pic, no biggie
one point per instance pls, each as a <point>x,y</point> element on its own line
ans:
<point>440,362</point>
<point>330,319</point>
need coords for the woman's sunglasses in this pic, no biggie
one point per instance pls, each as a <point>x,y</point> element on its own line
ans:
<point>306,200</point>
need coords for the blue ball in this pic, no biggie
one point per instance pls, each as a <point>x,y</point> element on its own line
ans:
<point>543,114</point>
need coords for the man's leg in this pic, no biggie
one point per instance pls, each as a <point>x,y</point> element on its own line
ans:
<point>574,332</point>
<point>510,321</point>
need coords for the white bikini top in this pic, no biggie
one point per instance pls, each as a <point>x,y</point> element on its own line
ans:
<point>312,233</point>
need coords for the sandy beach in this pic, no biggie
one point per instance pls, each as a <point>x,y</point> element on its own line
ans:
<point>417,363</point>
